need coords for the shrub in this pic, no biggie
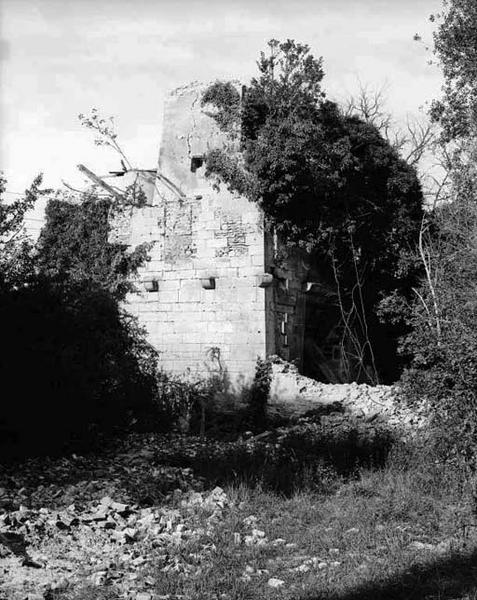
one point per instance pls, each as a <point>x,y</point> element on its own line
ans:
<point>445,376</point>
<point>198,405</point>
<point>442,344</point>
<point>74,363</point>
<point>257,396</point>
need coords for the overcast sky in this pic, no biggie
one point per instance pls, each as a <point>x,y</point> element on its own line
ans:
<point>62,57</point>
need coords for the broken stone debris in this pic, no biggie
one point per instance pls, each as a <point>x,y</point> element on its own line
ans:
<point>293,394</point>
<point>109,539</point>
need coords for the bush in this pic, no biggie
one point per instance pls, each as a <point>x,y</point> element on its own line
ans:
<point>442,344</point>
<point>74,364</point>
<point>199,405</point>
<point>257,396</point>
<point>445,376</point>
<point>77,363</point>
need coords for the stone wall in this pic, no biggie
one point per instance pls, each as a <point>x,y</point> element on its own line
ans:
<point>285,301</point>
<point>185,321</point>
<point>211,301</point>
<point>201,238</point>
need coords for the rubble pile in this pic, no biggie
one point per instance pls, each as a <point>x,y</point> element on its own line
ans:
<point>114,518</point>
<point>292,394</point>
<point>106,543</point>
<point>131,472</point>
<point>95,517</point>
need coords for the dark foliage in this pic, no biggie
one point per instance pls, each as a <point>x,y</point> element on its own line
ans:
<point>442,343</point>
<point>74,365</point>
<point>74,362</point>
<point>16,260</point>
<point>306,455</point>
<point>227,100</point>
<point>330,184</point>
<point>455,45</point>
<point>74,246</point>
<point>258,395</point>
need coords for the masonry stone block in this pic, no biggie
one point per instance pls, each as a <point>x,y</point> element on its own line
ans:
<point>219,235</point>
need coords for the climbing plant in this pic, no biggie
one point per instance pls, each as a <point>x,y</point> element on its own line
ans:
<point>329,183</point>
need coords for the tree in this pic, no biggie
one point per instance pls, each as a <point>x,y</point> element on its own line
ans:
<point>327,182</point>
<point>455,46</point>
<point>78,363</point>
<point>16,249</point>
<point>442,343</point>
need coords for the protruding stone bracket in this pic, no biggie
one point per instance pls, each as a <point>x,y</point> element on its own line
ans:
<point>208,283</point>
<point>264,280</point>
<point>150,285</point>
<point>308,286</point>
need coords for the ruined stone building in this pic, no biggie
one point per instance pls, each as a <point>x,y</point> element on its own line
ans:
<point>211,295</point>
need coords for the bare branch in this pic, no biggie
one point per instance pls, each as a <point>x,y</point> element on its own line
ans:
<point>425,255</point>
<point>369,105</point>
<point>421,135</point>
<point>105,133</point>
<point>412,142</point>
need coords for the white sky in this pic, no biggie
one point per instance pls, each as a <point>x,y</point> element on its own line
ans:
<point>62,57</point>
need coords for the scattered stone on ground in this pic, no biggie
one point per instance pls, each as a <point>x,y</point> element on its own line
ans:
<point>101,542</point>
<point>275,583</point>
<point>95,518</point>
<point>103,518</point>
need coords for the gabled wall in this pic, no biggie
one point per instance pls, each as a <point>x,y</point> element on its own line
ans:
<point>215,305</point>
<point>198,235</point>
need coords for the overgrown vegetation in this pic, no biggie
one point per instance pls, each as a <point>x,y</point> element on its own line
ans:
<point>258,395</point>
<point>74,246</point>
<point>456,52</point>
<point>74,361</point>
<point>326,506</point>
<point>442,341</point>
<point>328,183</point>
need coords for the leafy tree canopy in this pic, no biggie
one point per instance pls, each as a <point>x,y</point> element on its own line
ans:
<point>328,182</point>
<point>16,262</point>
<point>455,45</point>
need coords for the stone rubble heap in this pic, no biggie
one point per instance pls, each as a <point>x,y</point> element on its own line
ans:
<point>43,550</point>
<point>292,395</point>
<point>47,551</point>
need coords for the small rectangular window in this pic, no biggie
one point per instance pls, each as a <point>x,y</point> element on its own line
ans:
<point>196,162</point>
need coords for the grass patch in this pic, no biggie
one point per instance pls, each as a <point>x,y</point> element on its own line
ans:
<point>306,455</point>
<point>399,528</point>
<point>396,533</point>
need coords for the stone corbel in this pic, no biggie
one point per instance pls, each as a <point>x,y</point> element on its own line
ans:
<point>151,284</point>
<point>264,280</point>
<point>208,283</point>
<point>308,286</point>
